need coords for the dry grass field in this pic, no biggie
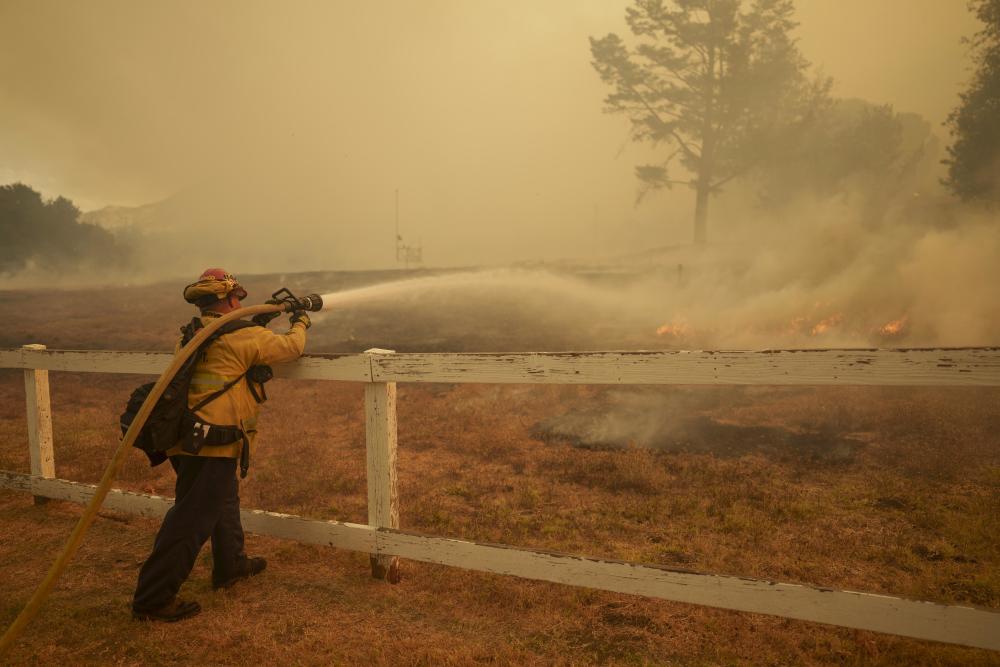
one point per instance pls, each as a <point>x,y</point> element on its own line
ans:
<point>887,490</point>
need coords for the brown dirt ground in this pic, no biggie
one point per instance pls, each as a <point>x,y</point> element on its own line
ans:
<point>914,511</point>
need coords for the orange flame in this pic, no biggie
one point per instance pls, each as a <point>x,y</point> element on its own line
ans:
<point>894,328</point>
<point>674,330</point>
<point>811,326</point>
<point>826,324</point>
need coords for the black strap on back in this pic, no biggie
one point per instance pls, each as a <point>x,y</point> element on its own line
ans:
<point>262,396</point>
<point>214,395</point>
<point>189,330</point>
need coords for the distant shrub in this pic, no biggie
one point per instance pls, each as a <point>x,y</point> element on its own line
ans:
<point>47,235</point>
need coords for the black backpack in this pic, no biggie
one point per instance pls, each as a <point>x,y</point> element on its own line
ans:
<point>171,421</point>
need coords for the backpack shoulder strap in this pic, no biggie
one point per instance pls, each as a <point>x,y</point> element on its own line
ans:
<point>235,325</point>
<point>189,330</point>
<point>215,394</point>
<point>226,328</point>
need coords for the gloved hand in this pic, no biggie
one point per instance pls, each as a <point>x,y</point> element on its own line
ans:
<point>300,316</point>
<point>263,319</point>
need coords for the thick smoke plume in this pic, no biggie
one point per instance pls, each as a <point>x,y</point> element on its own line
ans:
<point>833,285</point>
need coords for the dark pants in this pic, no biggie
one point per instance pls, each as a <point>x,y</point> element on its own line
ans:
<point>207,505</point>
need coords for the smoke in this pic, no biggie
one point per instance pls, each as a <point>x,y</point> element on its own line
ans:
<point>269,139</point>
<point>273,138</point>
<point>950,278</point>
<point>834,283</point>
<point>276,137</point>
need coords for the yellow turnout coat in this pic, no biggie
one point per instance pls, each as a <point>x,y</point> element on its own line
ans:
<point>225,360</point>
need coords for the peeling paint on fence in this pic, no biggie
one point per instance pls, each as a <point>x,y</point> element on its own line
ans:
<point>912,367</point>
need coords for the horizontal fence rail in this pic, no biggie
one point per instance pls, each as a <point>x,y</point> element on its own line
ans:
<point>882,613</point>
<point>385,542</point>
<point>909,367</point>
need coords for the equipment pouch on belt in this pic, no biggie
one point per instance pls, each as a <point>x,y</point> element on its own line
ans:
<point>197,434</point>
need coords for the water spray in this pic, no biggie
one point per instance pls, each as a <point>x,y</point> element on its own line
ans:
<point>398,288</point>
<point>282,301</point>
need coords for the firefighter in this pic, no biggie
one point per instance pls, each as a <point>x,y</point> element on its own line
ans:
<point>207,491</point>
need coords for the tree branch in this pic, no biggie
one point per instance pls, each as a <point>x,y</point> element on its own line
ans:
<point>683,144</point>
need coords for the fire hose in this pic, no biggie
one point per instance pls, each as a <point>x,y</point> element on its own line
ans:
<point>277,305</point>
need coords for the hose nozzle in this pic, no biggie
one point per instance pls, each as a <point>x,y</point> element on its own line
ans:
<point>291,302</point>
<point>313,302</point>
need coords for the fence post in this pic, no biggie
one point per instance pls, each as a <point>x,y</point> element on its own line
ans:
<point>36,392</point>
<point>380,444</point>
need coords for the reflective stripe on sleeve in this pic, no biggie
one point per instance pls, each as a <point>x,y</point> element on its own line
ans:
<point>204,380</point>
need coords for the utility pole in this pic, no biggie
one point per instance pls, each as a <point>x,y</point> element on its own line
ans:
<point>405,253</point>
<point>398,237</point>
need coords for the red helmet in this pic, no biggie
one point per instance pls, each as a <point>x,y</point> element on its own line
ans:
<point>213,285</point>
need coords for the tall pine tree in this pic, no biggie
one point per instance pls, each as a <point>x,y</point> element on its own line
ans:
<point>715,80</point>
<point>974,157</point>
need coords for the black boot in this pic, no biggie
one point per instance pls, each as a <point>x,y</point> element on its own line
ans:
<point>248,567</point>
<point>174,610</point>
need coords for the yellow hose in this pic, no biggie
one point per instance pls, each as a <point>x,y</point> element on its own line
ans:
<point>35,603</point>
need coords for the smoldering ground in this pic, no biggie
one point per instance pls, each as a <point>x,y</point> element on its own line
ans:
<point>700,420</point>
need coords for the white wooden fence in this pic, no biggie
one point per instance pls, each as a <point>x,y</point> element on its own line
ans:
<point>382,538</point>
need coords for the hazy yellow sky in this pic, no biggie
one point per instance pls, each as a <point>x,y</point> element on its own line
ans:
<point>485,114</point>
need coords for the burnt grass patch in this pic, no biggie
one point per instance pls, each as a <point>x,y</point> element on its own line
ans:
<point>705,435</point>
<point>668,420</point>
